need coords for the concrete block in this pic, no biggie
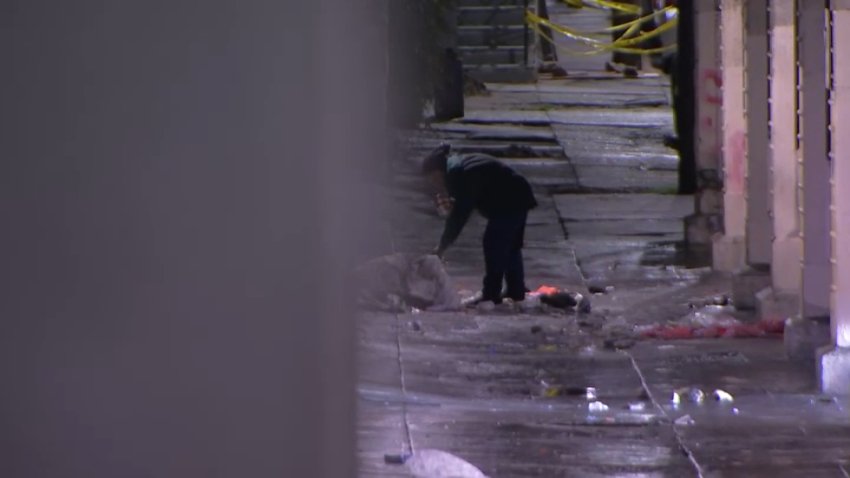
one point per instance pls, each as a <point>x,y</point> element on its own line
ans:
<point>746,284</point>
<point>833,368</point>
<point>771,305</point>
<point>710,201</point>
<point>700,228</point>
<point>729,254</point>
<point>804,336</point>
<point>786,268</point>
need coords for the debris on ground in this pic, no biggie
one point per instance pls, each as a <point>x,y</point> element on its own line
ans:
<point>560,299</point>
<point>685,420</point>
<point>723,396</point>
<point>403,282</point>
<point>712,321</point>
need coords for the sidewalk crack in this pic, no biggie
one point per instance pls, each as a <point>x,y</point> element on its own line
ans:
<point>679,438</point>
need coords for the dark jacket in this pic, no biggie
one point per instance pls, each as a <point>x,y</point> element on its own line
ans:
<point>479,181</point>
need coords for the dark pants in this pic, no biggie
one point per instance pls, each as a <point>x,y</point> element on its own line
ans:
<point>503,241</point>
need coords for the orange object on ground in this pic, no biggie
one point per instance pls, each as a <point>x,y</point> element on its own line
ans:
<point>546,290</point>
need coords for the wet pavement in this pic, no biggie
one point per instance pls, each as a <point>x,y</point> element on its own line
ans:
<point>507,390</point>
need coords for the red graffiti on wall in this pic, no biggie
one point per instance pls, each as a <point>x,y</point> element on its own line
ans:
<point>736,174</point>
<point>710,99</point>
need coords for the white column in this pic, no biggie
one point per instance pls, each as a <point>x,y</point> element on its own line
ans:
<point>730,249</point>
<point>810,330</point>
<point>841,173</point>
<point>834,362</point>
<point>787,247</point>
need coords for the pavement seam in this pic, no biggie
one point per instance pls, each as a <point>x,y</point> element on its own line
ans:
<point>402,381</point>
<point>679,438</point>
<point>558,139</point>
<point>567,238</point>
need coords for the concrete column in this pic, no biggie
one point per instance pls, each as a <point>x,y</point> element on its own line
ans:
<point>833,362</point>
<point>708,81</point>
<point>729,249</point>
<point>804,334</point>
<point>782,300</point>
<point>759,234</point>
<point>759,223</point>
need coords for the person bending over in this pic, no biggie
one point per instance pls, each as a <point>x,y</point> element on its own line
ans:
<point>468,182</point>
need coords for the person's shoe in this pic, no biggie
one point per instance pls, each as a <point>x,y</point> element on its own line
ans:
<point>516,297</point>
<point>477,298</point>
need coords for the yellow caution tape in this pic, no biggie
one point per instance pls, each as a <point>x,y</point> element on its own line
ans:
<point>608,4</point>
<point>622,45</point>
<point>641,20</point>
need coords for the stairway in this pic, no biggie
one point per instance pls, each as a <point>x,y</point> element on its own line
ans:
<point>493,41</point>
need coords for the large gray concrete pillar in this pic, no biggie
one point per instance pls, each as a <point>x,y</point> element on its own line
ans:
<point>729,249</point>
<point>708,217</point>
<point>833,362</point>
<point>180,208</point>
<point>809,331</point>
<point>781,300</point>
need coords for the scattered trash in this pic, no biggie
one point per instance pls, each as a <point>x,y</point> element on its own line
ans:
<point>554,297</point>
<point>536,329</point>
<point>685,420</point>
<point>723,328</point>
<point>675,399</point>
<point>590,393</point>
<point>637,406</point>
<point>597,406</point>
<point>696,395</point>
<point>551,392</point>
<point>441,464</point>
<point>723,396</point>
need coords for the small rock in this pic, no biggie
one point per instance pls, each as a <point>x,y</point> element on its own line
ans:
<point>685,420</point>
<point>619,343</point>
<point>396,459</point>
<point>595,289</point>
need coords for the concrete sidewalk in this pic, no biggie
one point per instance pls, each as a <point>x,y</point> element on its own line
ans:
<point>506,391</point>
